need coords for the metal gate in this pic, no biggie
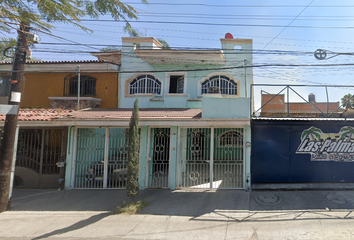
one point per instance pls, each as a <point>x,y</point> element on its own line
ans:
<point>101,158</point>
<point>40,150</point>
<point>302,151</point>
<point>211,153</point>
<point>159,152</point>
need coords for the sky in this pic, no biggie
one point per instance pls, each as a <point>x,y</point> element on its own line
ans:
<point>283,32</point>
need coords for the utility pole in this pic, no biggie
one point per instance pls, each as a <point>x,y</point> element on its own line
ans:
<point>7,146</point>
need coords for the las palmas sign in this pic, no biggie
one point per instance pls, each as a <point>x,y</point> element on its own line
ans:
<point>328,146</point>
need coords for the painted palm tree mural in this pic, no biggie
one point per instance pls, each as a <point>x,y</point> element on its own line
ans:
<point>346,132</point>
<point>312,133</point>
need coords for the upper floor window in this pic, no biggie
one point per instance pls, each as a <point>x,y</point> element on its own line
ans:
<point>87,85</point>
<point>219,84</point>
<point>176,84</point>
<point>145,84</point>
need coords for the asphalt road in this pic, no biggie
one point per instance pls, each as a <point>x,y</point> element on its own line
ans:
<point>198,214</point>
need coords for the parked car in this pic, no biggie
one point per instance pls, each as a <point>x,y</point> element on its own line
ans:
<point>117,171</point>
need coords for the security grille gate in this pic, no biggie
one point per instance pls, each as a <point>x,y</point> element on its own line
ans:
<point>97,166</point>
<point>159,158</point>
<point>197,167</point>
<point>40,150</point>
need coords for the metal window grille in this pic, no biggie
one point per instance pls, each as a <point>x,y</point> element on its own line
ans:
<point>224,85</point>
<point>87,85</point>
<point>145,84</point>
<point>231,139</point>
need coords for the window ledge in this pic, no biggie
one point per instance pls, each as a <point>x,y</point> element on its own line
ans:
<point>217,95</point>
<point>74,98</point>
<point>194,99</point>
<point>142,95</point>
<point>156,99</point>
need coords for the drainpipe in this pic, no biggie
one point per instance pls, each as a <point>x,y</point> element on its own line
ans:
<point>78,87</point>
<point>118,87</point>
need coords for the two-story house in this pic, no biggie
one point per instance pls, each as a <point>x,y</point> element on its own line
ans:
<point>194,118</point>
<point>50,90</point>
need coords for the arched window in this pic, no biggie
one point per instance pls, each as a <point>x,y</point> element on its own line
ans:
<point>219,84</point>
<point>87,85</point>
<point>145,84</point>
<point>231,139</point>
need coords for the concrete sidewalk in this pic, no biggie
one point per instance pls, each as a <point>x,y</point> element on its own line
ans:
<point>198,214</point>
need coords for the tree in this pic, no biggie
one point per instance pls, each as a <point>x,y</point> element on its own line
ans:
<point>6,48</point>
<point>348,101</point>
<point>39,14</point>
<point>133,153</point>
<point>164,43</point>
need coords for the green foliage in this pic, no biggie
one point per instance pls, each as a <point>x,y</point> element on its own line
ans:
<point>348,101</point>
<point>133,153</point>
<point>41,13</point>
<point>133,32</point>
<point>132,207</point>
<point>7,44</point>
<point>165,44</point>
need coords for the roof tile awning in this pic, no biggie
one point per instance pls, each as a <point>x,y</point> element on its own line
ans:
<point>144,113</point>
<point>39,114</point>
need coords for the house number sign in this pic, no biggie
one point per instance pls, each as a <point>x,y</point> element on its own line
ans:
<point>321,146</point>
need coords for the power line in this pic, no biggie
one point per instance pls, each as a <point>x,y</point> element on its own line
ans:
<point>289,24</point>
<point>240,6</point>
<point>216,68</point>
<point>216,24</point>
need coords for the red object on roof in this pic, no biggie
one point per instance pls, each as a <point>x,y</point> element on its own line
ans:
<point>229,36</point>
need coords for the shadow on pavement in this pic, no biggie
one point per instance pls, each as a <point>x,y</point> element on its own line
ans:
<point>76,226</point>
<point>192,203</point>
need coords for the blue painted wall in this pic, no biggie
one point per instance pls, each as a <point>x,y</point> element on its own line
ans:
<point>234,57</point>
<point>274,157</point>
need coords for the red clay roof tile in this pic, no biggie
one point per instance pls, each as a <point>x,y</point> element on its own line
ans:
<point>39,114</point>
<point>144,113</point>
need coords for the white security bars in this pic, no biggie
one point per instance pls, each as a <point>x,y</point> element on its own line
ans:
<point>101,158</point>
<point>211,153</point>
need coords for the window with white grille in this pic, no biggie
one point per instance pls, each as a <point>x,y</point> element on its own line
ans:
<point>231,139</point>
<point>145,84</point>
<point>219,84</point>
